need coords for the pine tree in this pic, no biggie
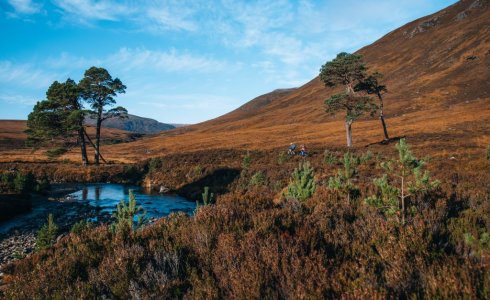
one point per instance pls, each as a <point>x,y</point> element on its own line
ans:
<point>342,182</point>
<point>99,90</point>
<point>409,175</point>
<point>46,236</point>
<point>302,183</point>
<point>58,118</point>
<point>371,85</point>
<point>125,214</point>
<point>347,70</point>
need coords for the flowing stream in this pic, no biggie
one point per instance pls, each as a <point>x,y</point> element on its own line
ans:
<point>70,203</point>
<point>105,197</point>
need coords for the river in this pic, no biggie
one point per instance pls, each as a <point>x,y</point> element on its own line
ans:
<point>70,203</point>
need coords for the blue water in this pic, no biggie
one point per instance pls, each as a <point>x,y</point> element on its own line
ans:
<point>106,196</point>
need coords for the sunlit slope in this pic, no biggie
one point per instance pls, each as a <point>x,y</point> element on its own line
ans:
<point>437,70</point>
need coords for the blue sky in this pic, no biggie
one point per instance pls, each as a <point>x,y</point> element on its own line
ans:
<point>184,61</point>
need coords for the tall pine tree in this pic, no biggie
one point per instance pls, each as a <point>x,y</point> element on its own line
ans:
<point>59,118</point>
<point>347,70</point>
<point>99,89</point>
<point>371,85</point>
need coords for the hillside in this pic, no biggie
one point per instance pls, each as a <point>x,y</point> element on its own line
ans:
<point>436,69</point>
<point>133,124</point>
<point>12,140</point>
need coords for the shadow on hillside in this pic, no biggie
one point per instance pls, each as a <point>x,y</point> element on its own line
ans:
<point>218,183</point>
<point>388,141</point>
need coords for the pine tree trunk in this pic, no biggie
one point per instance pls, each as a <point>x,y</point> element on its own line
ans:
<point>97,136</point>
<point>348,131</point>
<point>83,147</point>
<point>384,126</point>
<point>382,117</point>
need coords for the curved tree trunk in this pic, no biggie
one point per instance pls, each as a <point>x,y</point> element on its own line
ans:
<point>83,148</point>
<point>382,118</point>
<point>348,131</point>
<point>97,136</point>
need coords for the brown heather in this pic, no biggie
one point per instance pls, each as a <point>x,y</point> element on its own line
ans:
<point>248,246</point>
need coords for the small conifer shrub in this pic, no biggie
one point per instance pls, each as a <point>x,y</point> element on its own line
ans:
<point>247,160</point>
<point>46,236</point>
<point>207,197</point>
<point>258,179</point>
<point>405,177</point>
<point>79,227</point>
<point>282,158</point>
<point>329,158</point>
<point>342,183</point>
<point>125,214</point>
<point>302,183</point>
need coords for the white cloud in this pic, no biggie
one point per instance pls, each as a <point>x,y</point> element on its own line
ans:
<point>141,59</point>
<point>18,99</point>
<point>164,61</point>
<point>26,75</point>
<point>170,15</point>
<point>25,6</point>
<point>86,10</point>
<point>168,20</point>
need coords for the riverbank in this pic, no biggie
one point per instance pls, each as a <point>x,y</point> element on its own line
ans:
<point>12,205</point>
<point>70,203</point>
<point>18,235</point>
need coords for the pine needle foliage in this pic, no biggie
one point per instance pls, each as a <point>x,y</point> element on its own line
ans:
<point>342,182</point>
<point>247,160</point>
<point>302,183</point>
<point>46,236</point>
<point>207,197</point>
<point>405,177</point>
<point>125,214</point>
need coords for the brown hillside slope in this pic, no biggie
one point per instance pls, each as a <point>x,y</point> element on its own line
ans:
<point>13,137</point>
<point>437,70</point>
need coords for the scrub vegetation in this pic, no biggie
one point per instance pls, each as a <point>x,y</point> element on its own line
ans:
<point>329,233</point>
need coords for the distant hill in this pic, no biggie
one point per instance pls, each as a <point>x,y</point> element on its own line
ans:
<point>13,136</point>
<point>134,124</point>
<point>178,125</point>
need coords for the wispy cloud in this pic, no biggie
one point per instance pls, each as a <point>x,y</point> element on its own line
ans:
<point>89,10</point>
<point>25,6</point>
<point>25,74</point>
<point>164,61</point>
<point>170,15</point>
<point>18,99</point>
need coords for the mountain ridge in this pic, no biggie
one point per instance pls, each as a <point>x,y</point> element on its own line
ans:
<point>133,123</point>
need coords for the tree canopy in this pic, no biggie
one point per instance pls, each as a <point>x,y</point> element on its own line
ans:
<point>345,69</point>
<point>371,85</point>
<point>354,106</point>
<point>58,116</point>
<point>99,89</point>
